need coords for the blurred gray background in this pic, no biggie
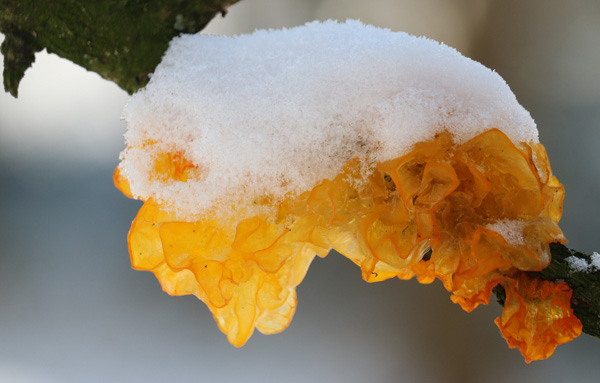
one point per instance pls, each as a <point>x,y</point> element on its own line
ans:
<point>72,310</point>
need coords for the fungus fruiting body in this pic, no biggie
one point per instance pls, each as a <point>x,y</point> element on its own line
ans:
<point>256,153</point>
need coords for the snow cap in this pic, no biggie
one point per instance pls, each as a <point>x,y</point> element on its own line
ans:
<point>277,111</point>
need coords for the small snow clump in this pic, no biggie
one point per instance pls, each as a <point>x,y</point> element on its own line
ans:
<point>595,260</point>
<point>511,230</point>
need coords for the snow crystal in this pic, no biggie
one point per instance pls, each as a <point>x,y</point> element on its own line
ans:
<point>595,260</point>
<point>511,230</point>
<point>578,264</point>
<point>581,265</point>
<point>277,111</point>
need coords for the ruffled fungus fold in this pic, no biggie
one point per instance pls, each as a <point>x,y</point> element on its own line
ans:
<point>487,209</point>
<point>537,316</point>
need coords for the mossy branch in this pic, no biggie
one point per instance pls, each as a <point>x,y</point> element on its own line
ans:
<point>585,285</point>
<point>121,40</point>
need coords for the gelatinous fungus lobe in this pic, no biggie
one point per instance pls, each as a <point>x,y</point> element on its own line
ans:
<point>455,198</point>
<point>246,275</point>
<point>537,316</point>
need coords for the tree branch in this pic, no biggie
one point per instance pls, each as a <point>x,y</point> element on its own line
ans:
<point>121,40</point>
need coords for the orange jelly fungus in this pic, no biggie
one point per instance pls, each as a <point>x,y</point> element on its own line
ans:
<point>459,201</point>
<point>537,316</point>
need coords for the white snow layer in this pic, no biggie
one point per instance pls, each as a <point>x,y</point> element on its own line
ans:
<point>277,111</point>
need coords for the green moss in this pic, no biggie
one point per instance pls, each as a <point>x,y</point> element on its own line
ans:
<point>121,40</point>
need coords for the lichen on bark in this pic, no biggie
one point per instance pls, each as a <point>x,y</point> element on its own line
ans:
<point>121,40</point>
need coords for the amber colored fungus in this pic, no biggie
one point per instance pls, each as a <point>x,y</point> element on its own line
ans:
<point>440,196</point>
<point>537,316</point>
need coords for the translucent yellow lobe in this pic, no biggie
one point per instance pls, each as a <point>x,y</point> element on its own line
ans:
<point>441,196</point>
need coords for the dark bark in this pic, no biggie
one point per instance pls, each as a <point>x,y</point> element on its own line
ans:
<point>121,40</point>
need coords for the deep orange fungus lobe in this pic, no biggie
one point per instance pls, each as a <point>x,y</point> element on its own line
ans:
<point>537,316</point>
<point>487,209</point>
